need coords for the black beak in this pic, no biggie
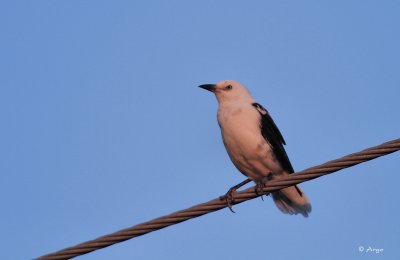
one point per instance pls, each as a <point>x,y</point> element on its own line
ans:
<point>209,87</point>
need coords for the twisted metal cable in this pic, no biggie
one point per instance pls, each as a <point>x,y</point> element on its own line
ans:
<point>217,204</point>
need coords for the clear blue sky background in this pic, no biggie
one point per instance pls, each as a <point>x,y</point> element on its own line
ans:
<point>103,126</point>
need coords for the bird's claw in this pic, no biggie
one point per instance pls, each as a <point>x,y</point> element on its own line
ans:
<point>229,198</point>
<point>259,189</point>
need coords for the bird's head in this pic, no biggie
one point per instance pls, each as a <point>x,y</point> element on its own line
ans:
<point>228,91</point>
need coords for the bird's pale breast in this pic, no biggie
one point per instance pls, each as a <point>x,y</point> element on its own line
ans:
<point>247,148</point>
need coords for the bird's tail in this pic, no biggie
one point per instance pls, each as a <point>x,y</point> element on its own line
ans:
<point>292,200</point>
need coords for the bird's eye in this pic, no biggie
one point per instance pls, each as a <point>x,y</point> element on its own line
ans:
<point>229,87</point>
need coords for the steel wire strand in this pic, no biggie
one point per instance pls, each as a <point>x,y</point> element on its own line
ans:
<point>217,204</point>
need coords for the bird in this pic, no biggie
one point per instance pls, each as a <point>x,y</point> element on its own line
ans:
<point>255,145</point>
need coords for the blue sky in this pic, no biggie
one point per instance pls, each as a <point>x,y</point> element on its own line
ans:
<point>103,126</point>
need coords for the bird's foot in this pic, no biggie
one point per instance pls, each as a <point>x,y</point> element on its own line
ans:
<point>229,198</point>
<point>260,187</point>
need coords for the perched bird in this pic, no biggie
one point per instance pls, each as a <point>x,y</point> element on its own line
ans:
<point>255,145</point>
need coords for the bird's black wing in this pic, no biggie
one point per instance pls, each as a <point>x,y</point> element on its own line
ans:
<point>271,133</point>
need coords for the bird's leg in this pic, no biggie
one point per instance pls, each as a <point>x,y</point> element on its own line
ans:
<point>259,188</point>
<point>228,197</point>
<point>261,184</point>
